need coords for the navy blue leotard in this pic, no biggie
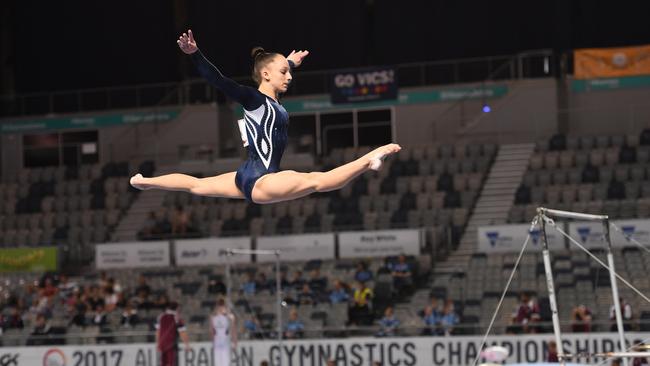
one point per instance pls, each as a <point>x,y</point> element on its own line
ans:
<point>266,125</point>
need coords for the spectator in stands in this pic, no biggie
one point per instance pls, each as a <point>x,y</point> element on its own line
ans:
<point>142,300</point>
<point>30,297</point>
<point>626,312</point>
<point>80,309</point>
<point>94,298</point>
<point>339,293</point>
<point>14,320</point>
<point>402,274</point>
<point>388,324</point>
<point>143,286</point>
<point>49,290</point>
<point>264,283</point>
<point>294,328</point>
<point>41,330</point>
<point>644,137</point>
<point>522,196</point>
<point>359,312</point>
<point>581,319</point>
<point>99,317</point>
<point>297,281</point>
<point>525,315</point>
<point>66,287</point>
<point>43,306</point>
<point>317,283</point>
<point>116,286</point>
<point>102,282</point>
<point>616,362</point>
<point>431,318</point>
<point>129,316</point>
<point>552,354</point>
<point>252,327</point>
<point>216,286</point>
<point>110,299</point>
<point>162,302</point>
<point>284,281</point>
<point>249,287</point>
<point>449,319</point>
<point>306,296</point>
<point>362,273</point>
<point>180,221</point>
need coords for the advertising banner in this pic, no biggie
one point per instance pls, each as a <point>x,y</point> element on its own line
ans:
<point>510,238</point>
<point>363,85</point>
<point>591,234</point>
<point>403,351</point>
<point>132,254</point>
<point>595,63</point>
<point>28,259</point>
<point>297,247</point>
<point>205,251</point>
<point>382,243</point>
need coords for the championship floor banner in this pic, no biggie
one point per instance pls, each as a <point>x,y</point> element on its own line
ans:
<point>404,351</point>
<point>510,238</point>
<point>132,254</point>
<point>359,244</point>
<point>206,251</point>
<point>297,247</point>
<point>591,234</point>
<point>28,259</point>
<point>611,62</point>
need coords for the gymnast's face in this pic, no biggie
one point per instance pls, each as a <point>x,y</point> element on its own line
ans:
<point>277,73</point>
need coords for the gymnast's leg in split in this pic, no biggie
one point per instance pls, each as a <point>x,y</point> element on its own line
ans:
<point>272,187</point>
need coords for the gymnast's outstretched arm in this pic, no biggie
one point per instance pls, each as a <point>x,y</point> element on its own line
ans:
<point>246,96</point>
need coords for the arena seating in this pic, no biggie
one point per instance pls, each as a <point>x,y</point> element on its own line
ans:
<point>608,175</point>
<point>424,186</point>
<point>66,206</point>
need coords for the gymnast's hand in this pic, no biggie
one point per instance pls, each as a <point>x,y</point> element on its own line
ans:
<point>297,57</point>
<point>187,43</point>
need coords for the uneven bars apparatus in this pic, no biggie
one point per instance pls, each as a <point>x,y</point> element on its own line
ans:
<point>544,213</point>
<point>278,286</point>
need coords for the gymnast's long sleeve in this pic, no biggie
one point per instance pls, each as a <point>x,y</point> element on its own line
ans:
<point>244,95</point>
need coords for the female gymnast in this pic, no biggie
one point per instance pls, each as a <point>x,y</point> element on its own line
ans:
<point>260,179</point>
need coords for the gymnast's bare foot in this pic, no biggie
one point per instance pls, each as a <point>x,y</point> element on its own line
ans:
<point>137,181</point>
<point>377,156</point>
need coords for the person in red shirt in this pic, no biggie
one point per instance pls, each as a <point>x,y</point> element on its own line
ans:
<point>169,328</point>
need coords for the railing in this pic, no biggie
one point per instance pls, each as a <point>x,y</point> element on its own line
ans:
<point>524,65</point>
<point>95,334</point>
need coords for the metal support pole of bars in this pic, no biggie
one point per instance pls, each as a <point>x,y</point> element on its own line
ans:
<point>615,295</point>
<point>551,291</point>
<point>278,286</point>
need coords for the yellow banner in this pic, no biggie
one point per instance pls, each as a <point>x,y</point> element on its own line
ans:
<point>611,62</point>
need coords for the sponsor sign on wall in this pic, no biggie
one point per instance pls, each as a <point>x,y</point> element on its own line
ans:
<point>404,351</point>
<point>357,244</point>
<point>132,254</point>
<point>510,238</point>
<point>364,85</point>
<point>198,252</point>
<point>297,247</point>
<point>591,234</point>
<point>28,259</point>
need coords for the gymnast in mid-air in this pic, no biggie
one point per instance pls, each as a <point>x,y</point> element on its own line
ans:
<point>259,179</point>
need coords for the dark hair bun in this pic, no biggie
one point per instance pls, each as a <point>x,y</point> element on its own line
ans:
<point>257,51</point>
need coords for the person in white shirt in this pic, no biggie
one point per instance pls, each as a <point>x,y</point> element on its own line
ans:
<point>224,333</point>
